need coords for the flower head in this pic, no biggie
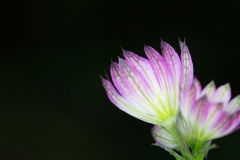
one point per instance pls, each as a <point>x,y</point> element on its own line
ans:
<point>148,89</point>
<point>209,111</point>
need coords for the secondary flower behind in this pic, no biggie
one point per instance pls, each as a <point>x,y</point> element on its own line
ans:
<point>149,89</point>
<point>209,111</point>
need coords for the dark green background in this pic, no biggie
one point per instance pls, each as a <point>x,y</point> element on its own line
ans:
<point>52,103</point>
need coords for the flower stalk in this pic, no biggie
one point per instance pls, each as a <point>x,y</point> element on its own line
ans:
<point>180,141</point>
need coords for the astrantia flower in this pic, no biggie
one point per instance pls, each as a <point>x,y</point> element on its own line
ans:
<point>148,89</point>
<point>209,111</point>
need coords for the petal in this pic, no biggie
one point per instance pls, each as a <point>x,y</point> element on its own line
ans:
<point>116,78</point>
<point>209,89</point>
<point>110,90</point>
<point>226,125</point>
<point>125,105</point>
<point>231,124</point>
<point>172,59</point>
<point>140,91</point>
<point>129,95</point>
<point>143,66</point>
<point>187,66</point>
<point>213,115</point>
<point>198,114</point>
<point>163,75</point>
<point>173,62</point>
<point>189,98</point>
<point>234,105</point>
<point>222,94</point>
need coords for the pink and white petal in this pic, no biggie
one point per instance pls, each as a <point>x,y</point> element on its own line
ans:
<point>110,90</point>
<point>144,67</point>
<point>125,105</point>
<point>212,119</point>
<point>117,80</point>
<point>173,62</point>
<point>187,66</point>
<point>234,105</point>
<point>160,67</point>
<point>209,89</point>
<point>172,59</point>
<point>198,88</point>
<point>198,114</point>
<point>139,88</point>
<point>228,125</point>
<point>120,85</point>
<point>222,94</point>
<point>163,75</point>
<point>188,100</point>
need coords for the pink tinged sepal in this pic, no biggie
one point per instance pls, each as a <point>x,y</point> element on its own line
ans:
<point>186,68</point>
<point>163,137</point>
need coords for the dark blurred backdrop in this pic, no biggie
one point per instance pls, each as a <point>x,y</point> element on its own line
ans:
<point>52,103</point>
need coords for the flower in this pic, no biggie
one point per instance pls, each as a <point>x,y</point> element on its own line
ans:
<point>209,111</point>
<point>148,89</point>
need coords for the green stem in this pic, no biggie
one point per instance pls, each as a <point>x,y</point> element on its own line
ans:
<point>198,154</point>
<point>198,146</point>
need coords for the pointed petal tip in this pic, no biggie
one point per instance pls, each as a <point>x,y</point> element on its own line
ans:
<point>113,64</point>
<point>182,43</point>
<point>123,50</point>
<point>147,48</point>
<point>161,41</point>
<point>179,39</point>
<point>227,85</point>
<point>104,81</point>
<point>127,53</point>
<point>163,44</point>
<point>212,83</point>
<point>111,61</point>
<point>196,80</point>
<point>120,59</point>
<point>122,62</point>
